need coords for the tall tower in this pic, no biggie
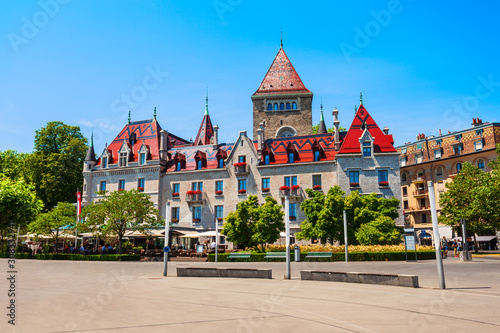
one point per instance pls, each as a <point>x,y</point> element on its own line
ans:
<point>282,101</point>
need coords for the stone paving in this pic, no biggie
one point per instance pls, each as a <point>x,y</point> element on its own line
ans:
<point>65,296</point>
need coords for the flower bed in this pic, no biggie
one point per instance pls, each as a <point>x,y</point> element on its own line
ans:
<point>98,257</point>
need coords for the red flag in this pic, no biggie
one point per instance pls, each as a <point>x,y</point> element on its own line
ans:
<point>79,202</point>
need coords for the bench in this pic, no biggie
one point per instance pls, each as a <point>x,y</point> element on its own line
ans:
<point>239,255</point>
<point>275,255</point>
<point>314,255</point>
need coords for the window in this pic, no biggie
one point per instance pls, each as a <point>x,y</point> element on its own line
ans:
<point>178,166</point>
<point>403,151</point>
<point>480,164</point>
<point>175,214</point>
<point>404,177</point>
<point>242,159</point>
<point>140,184</point>
<point>121,184</point>
<point>420,172</point>
<point>437,154</point>
<point>266,159</point>
<point>103,186</point>
<point>219,212</point>
<point>418,158</point>
<point>458,138</point>
<point>176,188</point>
<point>459,167</point>
<point>276,106</point>
<point>197,186</point>
<point>104,162</point>
<point>288,105</point>
<point>197,214</point>
<point>291,157</point>
<point>439,171</point>
<point>269,107</point>
<point>290,181</point>
<point>405,204</point>
<point>199,164</point>
<point>242,185</point>
<point>457,150</point>
<point>367,149</point>
<point>354,178</point>
<point>142,158</point>
<point>439,142</point>
<point>422,202</point>
<point>220,163</point>
<point>405,190</point>
<point>382,178</point>
<point>317,181</point>
<point>293,211</point>
<point>423,218</point>
<point>419,146</point>
<point>123,159</point>
<point>317,155</point>
<point>479,132</point>
<point>402,161</point>
<point>266,184</point>
<point>294,106</point>
<point>478,145</point>
<point>219,186</point>
<point>282,106</point>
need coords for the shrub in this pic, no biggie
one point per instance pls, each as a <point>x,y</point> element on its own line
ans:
<point>103,257</point>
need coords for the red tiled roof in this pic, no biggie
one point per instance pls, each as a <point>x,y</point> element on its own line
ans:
<point>381,142</point>
<point>281,78</point>
<point>147,131</point>
<point>191,151</point>
<point>205,132</point>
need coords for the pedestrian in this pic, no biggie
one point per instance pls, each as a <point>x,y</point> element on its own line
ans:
<point>444,244</point>
<point>103,249</point>
<point>82,249</point>
<point>455,247</point>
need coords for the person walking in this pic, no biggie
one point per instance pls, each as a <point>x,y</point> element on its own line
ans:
<point>444,245</point>
<point>455,247</point>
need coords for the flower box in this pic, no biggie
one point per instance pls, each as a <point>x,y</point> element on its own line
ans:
<point>190,192</point>
<point>218,192</point>
<point>241,164</point>
<point>120,189</point>
<point>354,184</point>
<point>292,218</point>
<point>196,192</point>
<point>383,183</point>
<point>266,189</point>
<point>175,194</point>
<point>295,187</point>
<point>175,220</point>
<point>196,220</point>
<point>140,189</point>
<point>317,187</point>
<point>220,219</point>
<point>242,191</point>
<point>284,188</point>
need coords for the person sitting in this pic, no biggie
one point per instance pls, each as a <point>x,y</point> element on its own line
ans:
<point>111,249</point>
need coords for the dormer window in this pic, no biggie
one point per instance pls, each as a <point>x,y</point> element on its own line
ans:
<point>104,162</point>
<point>142,158</point>
<point>367,149</point>
<point>291,157</point>
<point>201,160</point>
<point>267,155</point>
<point>179,161</point>
<point>123,159</point>
<point>318,151</point>
<point>292,153</point>
<point>221,156</point>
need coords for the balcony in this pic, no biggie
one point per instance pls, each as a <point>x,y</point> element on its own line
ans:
<point>241,169</point>
<point>420,193</point>
<point>194,197</point>
<point>418,180</point>
<point>295,192</point>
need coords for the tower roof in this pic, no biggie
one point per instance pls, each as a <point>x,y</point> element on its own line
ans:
<point>322,127</point>
<point>205,132</point>
<point>281,78</point>
<point>90,152</point>
<point>363,120</point>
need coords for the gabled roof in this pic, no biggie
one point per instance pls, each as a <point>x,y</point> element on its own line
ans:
<point>281,78</point>
<point>205,132</point>
<point>362,121</point>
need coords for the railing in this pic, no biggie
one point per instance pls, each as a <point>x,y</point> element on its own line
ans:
<point>195,197</point>
<point>293,193</point>
<point>418,179</point>
<point>419,193</point>
<point>241,169</point>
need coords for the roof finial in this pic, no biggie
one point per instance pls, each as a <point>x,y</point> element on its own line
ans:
<point>92,138</point>
<point>154,114</point>
<point>281,39</point>
<point>360,98</point>
<point>129,117</point>
<point>321,118</point>
<point>206,104</point>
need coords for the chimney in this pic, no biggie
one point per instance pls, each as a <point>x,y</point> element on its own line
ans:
<point>164,144</point>
<point>439,131</point>
<point>386,130</point>
<point>336,123</point>
<point>216,136</point>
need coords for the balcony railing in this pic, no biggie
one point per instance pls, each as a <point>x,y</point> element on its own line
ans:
<point>241,169</point>
<point>418,179</point>
<point>194,197</point>
<point>293,193</point>
<point>419,193</point>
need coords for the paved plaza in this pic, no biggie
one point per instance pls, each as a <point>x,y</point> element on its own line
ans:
<point>64,296</point>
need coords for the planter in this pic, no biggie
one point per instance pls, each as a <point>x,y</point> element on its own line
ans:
<point>354,184</point>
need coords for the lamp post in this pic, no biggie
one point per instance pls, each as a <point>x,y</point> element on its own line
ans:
<point>167,231</point>
<point>437,239</point>
<point>345,237</point>
<point>287,232</point>
<point>216,239</point>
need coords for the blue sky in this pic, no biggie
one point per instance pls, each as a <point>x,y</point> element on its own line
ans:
<point>421,65</point>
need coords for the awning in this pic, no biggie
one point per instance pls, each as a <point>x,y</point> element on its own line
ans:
<point>424,234</point>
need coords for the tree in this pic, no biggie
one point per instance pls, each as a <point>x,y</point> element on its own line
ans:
<point>64,214</point>
<point>55,168</point>
<point>381,231</point>
<point>18,203</point>
<point>252,225</point>
<point>12,164</point>
<point>119,212</point>
<point>330,130</point>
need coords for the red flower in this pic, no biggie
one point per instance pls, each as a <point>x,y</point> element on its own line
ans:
<point>175,220</point>
<point>120,189</point>
<point>242,191</point>
<point>295,187</point>
<point>176,194</point>
<point>384,183</point>
<point>140,189</point>
<point>292,217</point>
<point>284,188</point>
<point>266,189</point>
<point>354,184</point>
<point>240,164</point>
<point>196,192</point>
<point>218,192</point>
<point>196,220</point>
<point>317,187</point>
<point>190,192</point>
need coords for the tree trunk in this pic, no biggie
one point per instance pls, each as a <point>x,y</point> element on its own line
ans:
<point>476,249</point>
<point>120,243</point>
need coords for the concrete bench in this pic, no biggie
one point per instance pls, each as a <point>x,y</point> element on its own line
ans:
<point>275,255</point>
<point>315,255</point>
<point>401,280</point>
<point>225,272</point>
<point>239,255</point>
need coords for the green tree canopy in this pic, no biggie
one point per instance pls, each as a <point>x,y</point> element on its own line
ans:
<point>330,130</point>
<point>50,223</point>
<point>18,203</point>
<point>118,212</point>
<point>381,231</point>
<point>252,225</point>
<point>12,164</point>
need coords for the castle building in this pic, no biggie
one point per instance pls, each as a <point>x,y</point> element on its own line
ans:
<point>205,179</point>
<point>439,159</point>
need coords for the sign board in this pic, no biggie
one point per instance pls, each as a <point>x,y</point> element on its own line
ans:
<point>166,249</point>
<point>199,248</point>
<point>410,243</point>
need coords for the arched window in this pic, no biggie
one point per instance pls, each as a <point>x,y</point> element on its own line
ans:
<point>439,171</point>
<point>282,106</point>
<point>288,105</point>
<point>276,106</point>
<point>178,166</point>
<point>480,163</point>
<point>459,167</point>
<point>294,106</point>
<point>404,177</point>
<point>269,107</point>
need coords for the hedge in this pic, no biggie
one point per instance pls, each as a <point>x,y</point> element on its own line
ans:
<point>67,256</point>
<point>337,256</point>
